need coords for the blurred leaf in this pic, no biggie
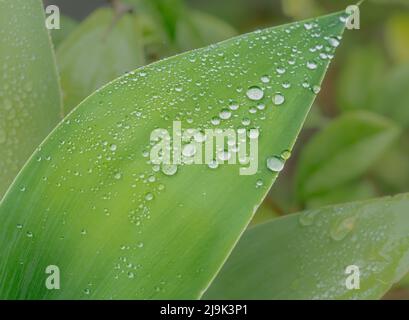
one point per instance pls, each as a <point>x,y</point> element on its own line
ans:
<point>360,78</point>
<point>315,118</point>
<point>392,169</point>
<point>67,26</point>
<point>300,9</point>
<point>352,191</point>
<point>199,29</point>
<point>30,101</point>
<point>304,256</point>
<point>393,99</point>
<point>98,51</point>
<point>166,13</point>
<point>264,213</point>
<point>342,152</point>
<point>117,226</point>
<point>396,34</point>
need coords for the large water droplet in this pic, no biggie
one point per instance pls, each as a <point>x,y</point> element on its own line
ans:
<point>275,164</point>
<point>255,93</point>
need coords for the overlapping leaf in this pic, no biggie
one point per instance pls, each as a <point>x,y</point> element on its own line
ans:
<point>306,255</point>
<point>30,102</point>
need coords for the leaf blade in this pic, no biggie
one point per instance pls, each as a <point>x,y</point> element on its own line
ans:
<point>302,256</point>
<point>98,196</point>
<point>30,101</point>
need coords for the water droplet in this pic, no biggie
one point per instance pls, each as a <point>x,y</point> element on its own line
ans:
<point>307,26</point>
<point>189,150</point>
<point>118,175</point>
<point>307,218</point>
<point>340,230</point>
<point>19,226</point>
<point>29,234</point>
<point>275,164</point>
<point>316,89</point>
<point>140,245</point>
<point>286,154</point>
<point>334,42</point>
<point>254,133</point>
<point>149,196</point>
<point>280,70</point>
<point>225,114</point>
<point>224,155</point>
<point>255,93</point>
<point>265,79</point>
<point>233,106</point>
<point>259,183</point>
<point>113,147</point>
<point>278,99</point>
<point>311,65</point>
<point>213,164</point>
<point>169,169</point>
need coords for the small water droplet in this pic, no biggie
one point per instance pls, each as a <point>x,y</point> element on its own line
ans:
<point>286,154</point>
<point>334,42</point>
<point>265,79</point>
<point>307,218</point>
<point>340,230</point>
<point>149,196</point>
<point>316,89</point>
<point>113,147</point>
<point>278,99</point>
<point>259,183</point>
<point>213,164</point>
<point>311,65</point>
<point>225,114</point>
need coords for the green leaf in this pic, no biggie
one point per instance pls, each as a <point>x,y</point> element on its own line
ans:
<point>393,99</point>
<point>304,256</point>
<point>91,202</point>
<point>30,102</point>
<point>67,26</point>
<point>198,29</point>
<point>352,191</point>
<point>361,78</point>
<point>99,50</point>
<point>343,152</point>
<point>396,34</point>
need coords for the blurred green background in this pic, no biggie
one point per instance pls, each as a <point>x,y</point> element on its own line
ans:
<point>355,143</point>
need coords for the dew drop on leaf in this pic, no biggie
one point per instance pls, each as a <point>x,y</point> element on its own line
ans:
<point>255,93</point>
<point>275,164</point>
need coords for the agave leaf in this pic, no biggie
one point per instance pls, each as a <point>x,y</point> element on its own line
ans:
<point>91,202</point>
<point>100,49</point>
<point>343,151</point>
<point>305,255</point>
<point>30,102</point>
